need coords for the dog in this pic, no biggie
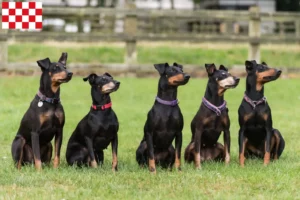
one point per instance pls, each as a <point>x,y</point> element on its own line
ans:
<point>164,121</point>
<point>257,137</point>
<point>211,119</point>
<point>44,118</point>
<point>98,128</point>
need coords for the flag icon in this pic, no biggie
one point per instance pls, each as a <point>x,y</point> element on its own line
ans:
<point>22,15</point>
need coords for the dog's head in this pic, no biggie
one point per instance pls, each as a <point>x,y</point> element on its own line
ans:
<point>260,73</point>
<point>105,83</point>
<point>173,74</point>
<point>56,72</point>
<point>220,79</point>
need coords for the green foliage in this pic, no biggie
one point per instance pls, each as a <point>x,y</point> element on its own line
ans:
<point>280,180</point>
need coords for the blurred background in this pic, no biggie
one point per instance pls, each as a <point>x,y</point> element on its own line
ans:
<point>128,37</point>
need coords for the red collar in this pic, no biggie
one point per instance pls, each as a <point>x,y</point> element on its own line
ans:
<point>101,107</point>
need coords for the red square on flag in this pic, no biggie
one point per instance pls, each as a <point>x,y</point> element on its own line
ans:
<point>22,15</point>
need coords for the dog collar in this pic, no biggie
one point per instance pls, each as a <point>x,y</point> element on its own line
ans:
<point>168,103</point>
<point>47,99</point>
<point>254,103</point>
<point>216,109</point>
<point>101,107</point>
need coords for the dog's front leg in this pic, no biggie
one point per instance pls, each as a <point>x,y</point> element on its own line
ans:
<point>198,137</point>
<point>242,146</point>
<point>178,144</point>
<point>57,147</point>
<point>268,146</point>
<point>227,145</point>
<point>149,141</point>
<point>89,144</point>
<point>35,140</point>
<point>114,148</point>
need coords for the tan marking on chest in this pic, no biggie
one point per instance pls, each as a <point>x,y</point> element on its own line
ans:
<point>247,117</point>
<point>208,120</point>
<point>45,116</point>
<point>60,115</point>
<point>265,116</point>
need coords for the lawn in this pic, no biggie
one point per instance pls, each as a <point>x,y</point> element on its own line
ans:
<point>185,53</point>
<point>280,180</point>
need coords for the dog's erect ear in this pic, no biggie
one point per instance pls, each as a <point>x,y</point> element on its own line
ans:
<point>63,58</point>
<point>91,78</point>
<point>44,64</point>
<point>161,68</point>
<point>210,68</point>
<point>250,65</point>
<point>222,67</point>
<point>107,74</point>
<point>177,65</point>
<point>264,63</point>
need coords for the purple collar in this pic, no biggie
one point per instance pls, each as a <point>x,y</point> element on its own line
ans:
<point>254,103</point>
<point>214,108</point>
<point>168,103</point>
<point>47,99</point>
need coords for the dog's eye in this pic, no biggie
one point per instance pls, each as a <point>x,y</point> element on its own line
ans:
<point>54,68</point>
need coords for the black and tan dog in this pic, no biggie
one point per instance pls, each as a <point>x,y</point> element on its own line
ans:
<point>44,119</point>
<point>257,137</point>
<point>211,119</point>
<point>98,128</point>
<point>164,121</point>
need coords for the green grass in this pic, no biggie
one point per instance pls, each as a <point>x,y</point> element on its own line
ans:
<point>280,180</point>
<point>147,53</point>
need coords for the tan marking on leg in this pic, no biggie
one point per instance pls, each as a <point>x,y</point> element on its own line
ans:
<point>56,161</point>
<point>227,155</point>
<point>197,160</point>
<point>152,166</point>
<point>94,164</point>
<point>267,156</point>
<point>114,162</point>
<point>177,161</point>
<point>242,154</point>
<point>37,164</point>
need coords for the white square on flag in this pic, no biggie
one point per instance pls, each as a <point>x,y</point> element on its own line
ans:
<point>22,15</point>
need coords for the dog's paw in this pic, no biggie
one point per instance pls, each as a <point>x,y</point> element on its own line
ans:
<point>56,162</point>
<point>152,170</point>
<point>94,164</point>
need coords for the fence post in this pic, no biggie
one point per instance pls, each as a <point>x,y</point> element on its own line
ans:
<point>254,34</point>
<point>297,31</point>
<point>130,29</point>
<point>3,47</point>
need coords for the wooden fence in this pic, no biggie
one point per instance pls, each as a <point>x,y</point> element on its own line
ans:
<point>252,27</point>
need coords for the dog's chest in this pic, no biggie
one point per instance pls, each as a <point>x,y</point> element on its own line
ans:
<point>52,116</point>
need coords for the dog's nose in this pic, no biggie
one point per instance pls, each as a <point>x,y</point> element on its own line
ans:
<point>278,72</point>
<point>117,83</point>
<point>70,74</point>
<point>186,76</point>
<point>237,80</point>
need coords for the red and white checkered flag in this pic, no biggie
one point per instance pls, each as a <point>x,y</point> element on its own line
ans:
<point>22,15</point>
